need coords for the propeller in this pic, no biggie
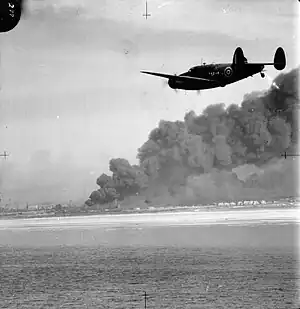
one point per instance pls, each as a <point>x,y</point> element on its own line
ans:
<point>176,90</point>
<point>165,82</point>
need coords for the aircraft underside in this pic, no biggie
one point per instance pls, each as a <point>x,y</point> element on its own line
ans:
<point>198,85</point>
<point>195,87</point>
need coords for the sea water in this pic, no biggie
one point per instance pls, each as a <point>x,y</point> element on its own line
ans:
<point>238,266</point>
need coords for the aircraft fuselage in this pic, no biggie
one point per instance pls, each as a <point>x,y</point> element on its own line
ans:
<point>223,74</point>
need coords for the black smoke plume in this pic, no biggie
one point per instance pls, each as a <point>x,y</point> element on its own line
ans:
<point>223,154</point>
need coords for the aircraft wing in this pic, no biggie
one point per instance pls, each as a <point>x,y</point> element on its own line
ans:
<point>180,77</point>
<point>158,74</point>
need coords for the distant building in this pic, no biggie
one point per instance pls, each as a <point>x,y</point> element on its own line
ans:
<point>33,207</point>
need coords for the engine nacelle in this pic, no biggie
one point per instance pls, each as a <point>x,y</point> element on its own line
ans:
<point>279,59</point>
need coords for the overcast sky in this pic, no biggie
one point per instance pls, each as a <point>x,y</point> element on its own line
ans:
<point>69,72</point>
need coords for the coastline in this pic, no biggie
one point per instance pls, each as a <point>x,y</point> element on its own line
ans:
<point>188,218</point>
<point>79,212</point>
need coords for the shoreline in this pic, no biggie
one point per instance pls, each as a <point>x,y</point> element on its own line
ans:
<point>169,209</point>
<point>187,218</point>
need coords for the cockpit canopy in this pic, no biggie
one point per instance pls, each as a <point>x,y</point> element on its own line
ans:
<point>202,67</point>
<point>192,69</point>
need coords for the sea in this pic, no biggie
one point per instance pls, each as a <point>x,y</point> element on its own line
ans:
<point>210,266</point>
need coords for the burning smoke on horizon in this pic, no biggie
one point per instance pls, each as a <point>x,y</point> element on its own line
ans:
<point>222,154</point>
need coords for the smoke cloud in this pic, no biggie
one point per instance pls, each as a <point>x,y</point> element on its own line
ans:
<point>223,154</point>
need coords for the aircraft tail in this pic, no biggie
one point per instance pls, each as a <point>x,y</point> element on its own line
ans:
<point>279,59</point>
<point>279,63</point>
<point>238,58</point>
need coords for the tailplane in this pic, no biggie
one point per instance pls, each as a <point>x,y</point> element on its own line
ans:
<point>279,62</point>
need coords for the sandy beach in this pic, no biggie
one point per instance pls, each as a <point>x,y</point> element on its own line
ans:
<point>233,217</point>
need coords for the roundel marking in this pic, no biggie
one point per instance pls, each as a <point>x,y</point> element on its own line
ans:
<point>228,71</point>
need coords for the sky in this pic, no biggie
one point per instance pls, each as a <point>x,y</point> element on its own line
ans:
<point>72,93</point>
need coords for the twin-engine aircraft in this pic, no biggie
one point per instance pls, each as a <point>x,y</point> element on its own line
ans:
<point>209,76</point>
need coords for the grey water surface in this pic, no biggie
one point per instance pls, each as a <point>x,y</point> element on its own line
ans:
<point>179,267</point>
